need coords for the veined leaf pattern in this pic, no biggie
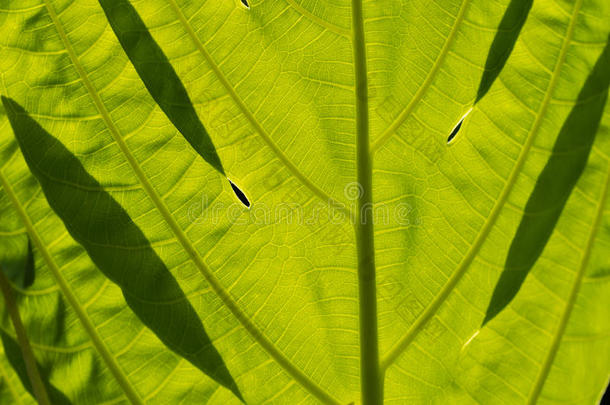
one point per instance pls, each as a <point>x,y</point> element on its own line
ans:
<point>312,108</point>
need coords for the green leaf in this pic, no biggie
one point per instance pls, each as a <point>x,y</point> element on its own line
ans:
<point>555,184</point>
<point>11,388</point>
<point>14,356</point>
<point>149,288</point>
<point>76,319</point>
<point>317,109</point>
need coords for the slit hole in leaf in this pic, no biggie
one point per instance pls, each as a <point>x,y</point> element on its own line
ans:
<point>457,127</point>
<point>240,194</point>
<point>246,5</point>
<point>455,131</point>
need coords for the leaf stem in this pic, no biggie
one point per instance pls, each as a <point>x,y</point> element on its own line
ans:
<point>370,378</point>
<point>40,393</point>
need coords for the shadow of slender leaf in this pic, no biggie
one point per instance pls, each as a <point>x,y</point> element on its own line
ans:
<point>554,185</point>
<point>159,76</point>
<point>503,43</point>
<point>15,358</point>
<point>17,260</point>
<point>116,245</point>
<point>29,274</point>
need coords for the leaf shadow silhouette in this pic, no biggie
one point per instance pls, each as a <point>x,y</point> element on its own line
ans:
<point>17,260</point>
<point>159,77</point>
<point>503,43</point>
<point>116,245</point>
<point>554,185</point>
<point>12,351</point>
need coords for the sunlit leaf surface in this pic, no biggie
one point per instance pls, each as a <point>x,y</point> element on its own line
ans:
<point>154,282</point>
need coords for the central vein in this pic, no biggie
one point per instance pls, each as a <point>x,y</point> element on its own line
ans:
<point>369,348</point>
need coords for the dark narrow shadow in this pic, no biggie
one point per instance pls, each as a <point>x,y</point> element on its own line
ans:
<point>555,184</point>
<point>28,271</point>
<point>159,76</point>
<point>17,260</point>
<point>12,350</point>
<point>59,320</point>
<point>116,245</point>
<point>503,43</point>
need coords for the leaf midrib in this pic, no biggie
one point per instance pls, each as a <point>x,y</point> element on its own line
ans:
<point>429,312</point>
<point>371,378</point>
<point>227,300</point>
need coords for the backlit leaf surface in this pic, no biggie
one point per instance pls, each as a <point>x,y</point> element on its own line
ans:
<point>275,286</point>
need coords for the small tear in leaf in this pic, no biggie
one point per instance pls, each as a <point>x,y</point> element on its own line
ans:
<point>455,131</point>
<point>240,194</point>
<point>457,128</point>
<point>245,3</point>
